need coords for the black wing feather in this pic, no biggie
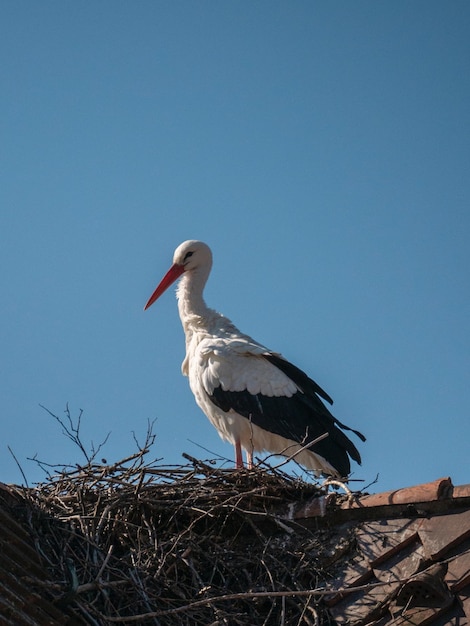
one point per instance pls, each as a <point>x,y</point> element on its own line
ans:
<point>301,418</point>
<point>308,386</point>
<point>299,377</point>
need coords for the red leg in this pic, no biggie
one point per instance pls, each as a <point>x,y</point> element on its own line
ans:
<point>238,456</point>
<point>249,459</point>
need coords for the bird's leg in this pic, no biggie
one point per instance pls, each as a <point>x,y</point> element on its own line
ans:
<point>249,459</point>
<point>238,456</point>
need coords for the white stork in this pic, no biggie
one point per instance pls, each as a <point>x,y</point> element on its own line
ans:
<point>254,397</point>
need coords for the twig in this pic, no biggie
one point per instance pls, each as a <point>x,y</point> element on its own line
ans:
<point>19,466</point>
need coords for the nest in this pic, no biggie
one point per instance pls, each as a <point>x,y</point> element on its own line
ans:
<point>137,542</point>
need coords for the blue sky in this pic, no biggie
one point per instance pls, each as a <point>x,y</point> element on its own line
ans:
<point>321,149</point>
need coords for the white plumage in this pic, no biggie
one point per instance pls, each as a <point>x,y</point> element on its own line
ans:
<point>255,399</point>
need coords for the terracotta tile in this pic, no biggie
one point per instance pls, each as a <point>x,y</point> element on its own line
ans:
<point>436,490</point>
<point>19,603</point>
<point>464,601</point>
<point>356,572</point>
<point>441,533</point>
<point>458,573</point>
<point>11,526</point>
<point>379,540</point>
<point>364,606</point>
<point>452,615</point>
<point>462,491</point>
<point>420,616</point>
<point>401,565</point>
<point>424,598</point>
<point>385,620</point>
<point>426,589</point>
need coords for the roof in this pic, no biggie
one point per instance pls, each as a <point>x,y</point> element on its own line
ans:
<point>411,562</point>
<point>22,570</point>
<point>400,557</point>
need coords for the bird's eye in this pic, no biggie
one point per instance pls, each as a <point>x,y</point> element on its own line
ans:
<point>187,255</point>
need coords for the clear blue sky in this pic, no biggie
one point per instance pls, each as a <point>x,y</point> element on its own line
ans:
<point>321,149</point>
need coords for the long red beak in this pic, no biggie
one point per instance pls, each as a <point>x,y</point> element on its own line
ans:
<point>173,274</point>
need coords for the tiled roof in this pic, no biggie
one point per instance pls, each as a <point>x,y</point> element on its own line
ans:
<point>22,602</point>
<point>411,558</point>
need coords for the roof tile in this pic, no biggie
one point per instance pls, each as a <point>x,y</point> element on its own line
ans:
<point>379,540</point>
<point>464,601</point>
<point>462,491</point>
<point>420,616</point>
<point>441,533</point>
<point>436,490</point>
<point>425,589</point>
<point>20,602</point>
<point>458,573</point>
<point>364,607</point>
<point>401,565</point>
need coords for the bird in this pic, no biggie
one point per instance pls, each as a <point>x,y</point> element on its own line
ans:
<point>256,399</point>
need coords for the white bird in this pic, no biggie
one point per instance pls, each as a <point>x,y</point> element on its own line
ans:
<point>256,399</point>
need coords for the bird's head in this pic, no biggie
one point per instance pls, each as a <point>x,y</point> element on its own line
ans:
<point>192,254</point>
<point>189,256</point>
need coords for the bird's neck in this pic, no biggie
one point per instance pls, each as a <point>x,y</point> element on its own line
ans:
<point>191,305</point>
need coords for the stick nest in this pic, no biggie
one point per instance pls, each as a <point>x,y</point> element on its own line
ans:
<point>136,542</point>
